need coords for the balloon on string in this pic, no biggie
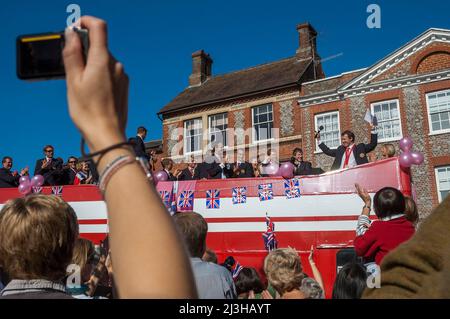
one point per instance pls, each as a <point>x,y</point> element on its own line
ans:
<point>271,169</point>
<point>286,170</point>
<point>24,188</point>
<point>406,144</point>
<point>406,159</point>
<point>37,181</point>
<point>160,176</point>
<point>417,158</point>
<point>24,179</point>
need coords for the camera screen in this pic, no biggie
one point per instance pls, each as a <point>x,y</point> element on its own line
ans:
<point>40,56</point>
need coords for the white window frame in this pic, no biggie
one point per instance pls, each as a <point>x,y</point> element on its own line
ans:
<point>437,181</point>
<point>318,150</point>
<point>430,125</point>
<point>185,137</point>
<point>254,141</point>
<point>384,140</point>
<point>225,146</point>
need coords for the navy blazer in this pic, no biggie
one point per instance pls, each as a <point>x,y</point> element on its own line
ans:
<point>186,175</point>
<point>359,151</point>
<point>303,168</point>
<point>245,170</point>
<point>52,174</point>
<point>139,147</point>
<point>7,179</point>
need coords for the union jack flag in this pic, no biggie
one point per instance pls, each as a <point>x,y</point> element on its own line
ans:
<point>186,199</point>
<point>239,195</point>
<point>291,188</point>
<point>37,190</point>
<point>270,241</point>
<point>265,192</point>
<point>57,190</point>
<point>237,269</point>
<point>213,199</point>
<point>166,197</point>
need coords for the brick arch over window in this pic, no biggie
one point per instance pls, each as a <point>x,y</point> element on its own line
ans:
<point>432,60</point>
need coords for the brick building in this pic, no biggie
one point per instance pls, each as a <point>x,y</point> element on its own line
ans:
<point>284,102</point>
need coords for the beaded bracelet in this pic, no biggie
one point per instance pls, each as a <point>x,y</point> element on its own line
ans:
<point>116,165</point>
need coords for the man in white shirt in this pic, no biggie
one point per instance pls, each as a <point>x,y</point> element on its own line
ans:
<point>349,154</point>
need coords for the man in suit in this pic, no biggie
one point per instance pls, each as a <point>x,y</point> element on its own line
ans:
<point>138,143</point>
<point>49,167</point>
<point>349,154</point>
<point>215,163</point>
<point>301,167</point>
<point>189,172</point>
<point>70,171</point>
<point>8,178</point>
<point>167,165</point>
<point>240,169</point>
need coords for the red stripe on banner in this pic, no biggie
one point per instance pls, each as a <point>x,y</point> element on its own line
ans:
<point>70,193</point>
<point>92,221</point>
<point>96,238</point>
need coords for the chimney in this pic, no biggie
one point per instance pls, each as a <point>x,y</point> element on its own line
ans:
<point>307,41</point>
<point>201,68</point>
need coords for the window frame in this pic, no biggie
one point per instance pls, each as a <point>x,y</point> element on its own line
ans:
<point>318,150</point>
<point>440,199</point>
<point>185,137</point>
<point>254,141</point>
<point>391,139</point>
<point>225,145</point>
<point>430,124</point>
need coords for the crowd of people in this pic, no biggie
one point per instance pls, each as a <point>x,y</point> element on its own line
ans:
<point>150,254</point>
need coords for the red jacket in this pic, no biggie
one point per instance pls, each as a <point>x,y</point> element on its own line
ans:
<point>382,237</point>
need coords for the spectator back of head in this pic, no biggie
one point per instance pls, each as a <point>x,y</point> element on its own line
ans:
<point>37,237</point>
<point>388,202</point>
<point>411,212</point>
<point>193,228</point>
<point>350,282</point>
<point>248,280</point>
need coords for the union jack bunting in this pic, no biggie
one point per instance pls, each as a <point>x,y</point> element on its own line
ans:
<point>291,188</point>
<point>186,199</point>
<point>57,190</point>
<point>270,241</point>
<point>213,199</point>
<point>166,197</point>
<point>237,269</point>
<point>265,192</point>
<point>239,195</point>
<point>37,190</point>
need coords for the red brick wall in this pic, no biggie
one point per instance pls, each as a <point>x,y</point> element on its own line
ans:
<point>434,62</point>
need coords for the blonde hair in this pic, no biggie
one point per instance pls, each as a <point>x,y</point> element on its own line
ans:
<point>390,150</point>
<point>283,269</point>
<point>411,212</point>
<point>82,251</point>
<point>37,236</point>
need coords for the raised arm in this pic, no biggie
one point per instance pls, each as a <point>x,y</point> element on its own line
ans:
<point>147,252</point>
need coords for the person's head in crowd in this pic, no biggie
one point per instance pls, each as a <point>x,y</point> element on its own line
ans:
<point>167,164</point>
<point>83,253</point>
<point>350,282</point>
<point>387,151</point>
<point>311,289</point>
<point>37,237</point>
<point>246,281</point>
<point>7,162</point>
<point>192,162</point>
<point>218,150</point>
<point>49,151</point>
<point>142,132</point>
<point>72,162</point>
<point>347,138</point>
<point>284,272</point>
<point>193,229</point>
<point>372,157</point>
<point>85,167</point>
<point>210,256</point>
<point>297,154</point>
<point>240,155</point>
<point>388,202</point>
<point>411,212</point>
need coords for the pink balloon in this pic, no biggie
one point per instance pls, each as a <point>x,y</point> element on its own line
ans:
<point>160,176</point>
<point>24,179</point>
<point>25,188</point>
<point>406,144</point>
<point>286,170</point>
<point>271,169</point>
<point>37,181</point>
<point>406,160</point>
<point>417,158</point>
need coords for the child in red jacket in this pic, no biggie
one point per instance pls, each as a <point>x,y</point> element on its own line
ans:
<point>376,239</point>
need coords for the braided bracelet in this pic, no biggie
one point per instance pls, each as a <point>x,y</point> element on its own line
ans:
<point>116,165</point>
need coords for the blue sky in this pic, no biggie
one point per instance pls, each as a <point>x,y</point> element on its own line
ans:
<point>155,39</point>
